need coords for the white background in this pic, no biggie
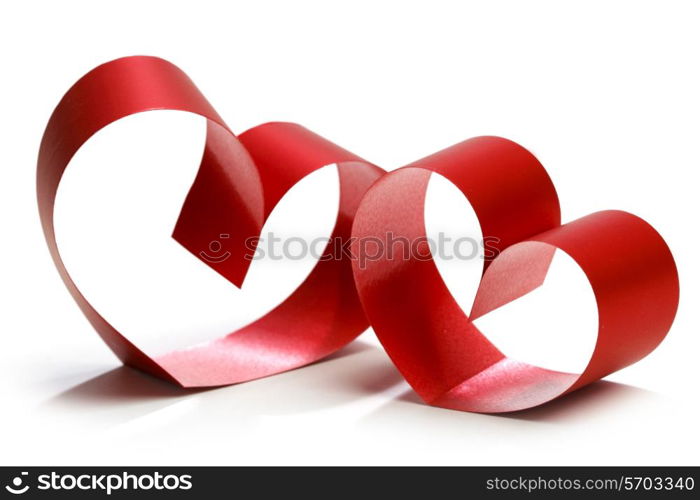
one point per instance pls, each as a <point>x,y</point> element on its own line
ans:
<point>605,94</point>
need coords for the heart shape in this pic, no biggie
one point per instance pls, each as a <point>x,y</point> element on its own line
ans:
<point>435,344</point>
<point>239,182</point>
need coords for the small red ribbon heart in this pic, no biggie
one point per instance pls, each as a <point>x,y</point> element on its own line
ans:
<point>431,340</point>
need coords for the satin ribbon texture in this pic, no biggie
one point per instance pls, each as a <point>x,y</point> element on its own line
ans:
<point>431,340</point>
<point>239,182</point>
<point>437,347</point>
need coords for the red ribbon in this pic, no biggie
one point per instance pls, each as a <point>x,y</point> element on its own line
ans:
<point>239,182</point>
<point>431,340</point>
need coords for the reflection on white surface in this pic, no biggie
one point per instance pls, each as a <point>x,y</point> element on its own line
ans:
<point>353,408</point>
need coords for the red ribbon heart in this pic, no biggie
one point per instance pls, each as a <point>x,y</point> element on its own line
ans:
<point>437,347</point>
<point>239,182</point>
<point>431,340</point>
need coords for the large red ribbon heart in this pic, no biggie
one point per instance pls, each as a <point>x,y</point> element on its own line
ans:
<point>239,182</point>
<point>431,340</point>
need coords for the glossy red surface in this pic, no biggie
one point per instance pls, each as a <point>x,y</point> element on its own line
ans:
<point>239,181</point>
<point>432,341</point>
<point>436,345</point>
